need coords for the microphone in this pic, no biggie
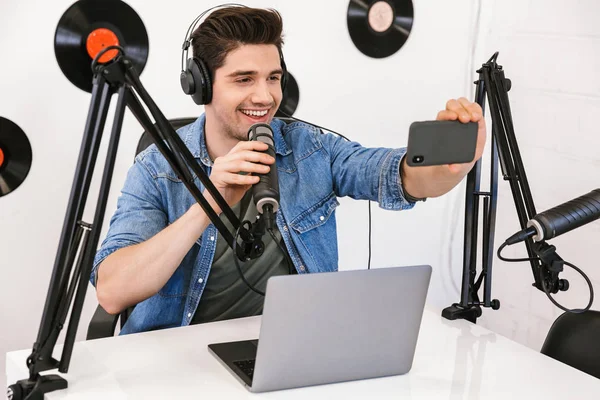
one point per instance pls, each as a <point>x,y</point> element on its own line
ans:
<point>266,192</point>
<point>561,219</point>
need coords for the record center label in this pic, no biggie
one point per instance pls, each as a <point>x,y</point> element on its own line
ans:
<point>381,16</point>
<point>98,40</point>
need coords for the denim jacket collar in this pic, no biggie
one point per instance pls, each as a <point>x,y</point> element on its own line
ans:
<point>196,141</point>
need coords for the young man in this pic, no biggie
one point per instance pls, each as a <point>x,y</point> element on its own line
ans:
<point>161,252</point>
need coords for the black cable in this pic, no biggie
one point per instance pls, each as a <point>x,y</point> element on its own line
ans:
<point>237,263</point>
<point>546,291</point>
<point>235,258</point>
<point>309,123</point>
<point>288,259</point>
<point>342,136</point>
<point>239,268</point>
<point>512,259</point>
<point>576,310</point>
<point>102,52</point>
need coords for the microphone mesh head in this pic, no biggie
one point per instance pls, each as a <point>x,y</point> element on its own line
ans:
<point>261,133</point>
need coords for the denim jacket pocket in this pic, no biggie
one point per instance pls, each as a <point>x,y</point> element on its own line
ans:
<point>316,215</point>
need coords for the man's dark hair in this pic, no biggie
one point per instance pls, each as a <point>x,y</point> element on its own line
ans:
<point>226,29</point>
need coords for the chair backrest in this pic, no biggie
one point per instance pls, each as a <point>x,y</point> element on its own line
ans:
<point>146,140</point>
<point>574,339</point>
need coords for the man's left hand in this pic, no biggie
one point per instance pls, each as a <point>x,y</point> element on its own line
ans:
<point>434,181</point>
<point>465,111</point>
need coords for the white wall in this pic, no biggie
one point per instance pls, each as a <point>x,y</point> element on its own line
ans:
<point>547,50</point>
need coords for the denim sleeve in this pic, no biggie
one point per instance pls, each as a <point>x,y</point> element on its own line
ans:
<point>139,215</point>
<point>367,173</point>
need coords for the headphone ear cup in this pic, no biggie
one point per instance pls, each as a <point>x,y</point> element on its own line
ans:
<point>206,83</point>
<point>284,77</point>
<point>203,94</point>
<point>187,82</point>
<point>202,85</point>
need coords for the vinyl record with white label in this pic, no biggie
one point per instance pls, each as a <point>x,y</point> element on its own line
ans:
<point>15,156</point>
<point>379,28</point>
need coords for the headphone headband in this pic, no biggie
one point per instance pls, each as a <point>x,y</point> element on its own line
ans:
<point>187,41</point>
<point>195,77</point>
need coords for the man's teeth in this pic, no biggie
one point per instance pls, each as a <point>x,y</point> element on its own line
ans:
<point>255,113</point>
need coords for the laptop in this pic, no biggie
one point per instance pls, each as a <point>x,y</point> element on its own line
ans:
<point>331,327</point>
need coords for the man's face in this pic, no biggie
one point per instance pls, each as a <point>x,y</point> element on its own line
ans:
<point>246,90</point>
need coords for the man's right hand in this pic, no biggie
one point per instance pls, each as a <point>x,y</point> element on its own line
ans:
<point>245,157</point>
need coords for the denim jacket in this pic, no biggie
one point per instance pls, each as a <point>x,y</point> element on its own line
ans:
<point>314,169</point>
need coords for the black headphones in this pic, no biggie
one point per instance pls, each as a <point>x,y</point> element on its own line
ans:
<point>195,76</point>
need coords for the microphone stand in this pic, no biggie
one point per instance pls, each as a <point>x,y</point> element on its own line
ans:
<point>79,240</point>
<point>545,263</point>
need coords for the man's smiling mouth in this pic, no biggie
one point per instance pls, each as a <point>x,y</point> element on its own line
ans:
<point>255,113</point>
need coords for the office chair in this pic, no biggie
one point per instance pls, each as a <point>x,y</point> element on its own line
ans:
<point>102,323</point>
<point>574,339</point>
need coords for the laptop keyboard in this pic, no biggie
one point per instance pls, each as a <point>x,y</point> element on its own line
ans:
<point>247,367</point>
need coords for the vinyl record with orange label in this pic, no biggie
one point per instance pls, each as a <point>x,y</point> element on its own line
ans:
<point>87,27</point>
<point>15,156</point>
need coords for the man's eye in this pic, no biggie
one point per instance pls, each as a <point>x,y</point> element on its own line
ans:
<point>243,80</point>
<point>275,78</point>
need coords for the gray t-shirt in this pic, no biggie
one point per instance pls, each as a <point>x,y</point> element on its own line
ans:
<point>226,296</point>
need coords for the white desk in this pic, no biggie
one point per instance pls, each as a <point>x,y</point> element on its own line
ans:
<point>454,360</point>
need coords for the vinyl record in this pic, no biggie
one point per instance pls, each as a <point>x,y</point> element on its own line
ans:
<point>291,96</point>
<point>90,25</point>
<point>379,28</point>
<point>15,156</point>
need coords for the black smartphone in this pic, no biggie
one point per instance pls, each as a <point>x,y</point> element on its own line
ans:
<point>441,142</point>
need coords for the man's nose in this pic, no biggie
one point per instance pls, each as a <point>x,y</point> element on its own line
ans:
<point>262,94</point>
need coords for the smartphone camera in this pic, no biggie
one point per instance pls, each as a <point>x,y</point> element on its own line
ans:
<point>418,159</point>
